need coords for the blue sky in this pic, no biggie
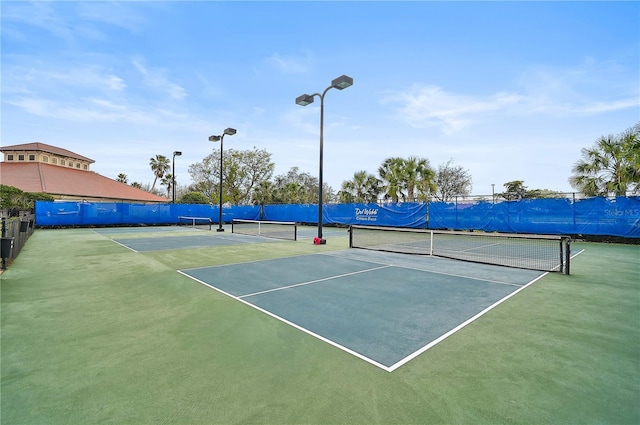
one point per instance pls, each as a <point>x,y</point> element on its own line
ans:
<point>507,90</point>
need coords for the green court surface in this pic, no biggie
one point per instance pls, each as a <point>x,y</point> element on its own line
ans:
<point>95,330</point>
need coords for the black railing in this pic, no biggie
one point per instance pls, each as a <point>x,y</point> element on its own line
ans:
<point>15,232</point>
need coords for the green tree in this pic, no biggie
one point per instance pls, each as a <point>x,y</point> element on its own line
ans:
<point>299,188</point>
<point>15,200</point>
<point>159,166</point>
<point>363,188</point>
<point>451,181</point>
<point>392,177</point>
<point>413,175</point>
<point>122,178</point>
<point>263,194</point>
<point>243,172</point>
<point>515,190</point>
<point>610,166</point>
<point>193,198</point>
<point>167,181</point>
<point>419,178</point>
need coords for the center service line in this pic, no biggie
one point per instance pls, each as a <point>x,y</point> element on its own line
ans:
<point>313,281</point>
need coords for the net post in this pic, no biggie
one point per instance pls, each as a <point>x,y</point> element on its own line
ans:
<point>566,248</point>
<point>351,236</point>
<point>431,243</point>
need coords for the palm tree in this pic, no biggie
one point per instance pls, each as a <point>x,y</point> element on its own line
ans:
<point>612,165</point>
<point>263,194</point>
<point>122,178</point>
<point>419,176</point>
<point>362,189</point>
<point>293,193</point>
<point>167,180</point>
<point>159,165</point>
<point>391,174</point>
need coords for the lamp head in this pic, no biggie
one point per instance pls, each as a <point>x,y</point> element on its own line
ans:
<point>214,138</point>
<point>230,131</point>
<point>304,100</point>
<point>177,153</point>
<point>342,82</point>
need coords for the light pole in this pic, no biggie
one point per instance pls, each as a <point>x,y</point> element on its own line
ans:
<point>173,174</point>
<point>230,132</point>
<point>493,192</point>
<point>339,83</point>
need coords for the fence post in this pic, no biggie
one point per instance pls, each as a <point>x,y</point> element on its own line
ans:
<point>4,235</point>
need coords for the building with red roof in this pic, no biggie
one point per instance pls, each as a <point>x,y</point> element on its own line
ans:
<point>65,175</point>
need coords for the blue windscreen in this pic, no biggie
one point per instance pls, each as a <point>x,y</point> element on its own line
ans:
<point>593,216</point>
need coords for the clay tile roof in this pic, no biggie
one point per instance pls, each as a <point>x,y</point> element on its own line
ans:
<point>57,180</point>
<point>37,146</point>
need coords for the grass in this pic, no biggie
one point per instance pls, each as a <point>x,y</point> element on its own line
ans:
<point>93,333</point>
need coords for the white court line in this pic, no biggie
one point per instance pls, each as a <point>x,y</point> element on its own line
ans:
<point>462,325</point>
<point>480,247</point>
<point>282,319</point>
<point>441,273</point>
<point>248,262</point>
<point>354,353</point>
<point>313,281</point>
<point>465,323</point>
<point>121,244</point>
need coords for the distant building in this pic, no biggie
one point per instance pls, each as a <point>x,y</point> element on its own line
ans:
<point>65,175</point>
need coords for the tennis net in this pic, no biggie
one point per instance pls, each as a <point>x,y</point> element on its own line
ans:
<point>196,222</point>
<point>535,252</point>
<point>269,229</point>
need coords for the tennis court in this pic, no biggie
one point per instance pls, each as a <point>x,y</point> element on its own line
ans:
<point>381,307</point>
<point>185,242</point>
<point>160,238</point>
<point>93,332</point>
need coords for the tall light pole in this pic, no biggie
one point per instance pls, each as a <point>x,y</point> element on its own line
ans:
<point>493,192</point>
<point>339,83</point>
<point>173,174</point>
<point>230,132</point>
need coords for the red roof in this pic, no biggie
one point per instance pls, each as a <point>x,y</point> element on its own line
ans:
<point>57,180</point>
<point>37,146</point>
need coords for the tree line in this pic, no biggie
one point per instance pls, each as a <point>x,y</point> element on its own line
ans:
<point>610,167</point>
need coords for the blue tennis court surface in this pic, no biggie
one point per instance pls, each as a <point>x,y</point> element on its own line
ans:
<point>381,307</point>
<point>207,239</point>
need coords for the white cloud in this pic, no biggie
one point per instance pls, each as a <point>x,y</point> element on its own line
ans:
<point>119,14</point>
<point>289,64</point>
<point>81,110</point>
<point>585,89</point>
<point>156,78</point>
<point>424,106</point>
<point>60,79</point>
<point>37,14</point>
<point>581,91</point>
